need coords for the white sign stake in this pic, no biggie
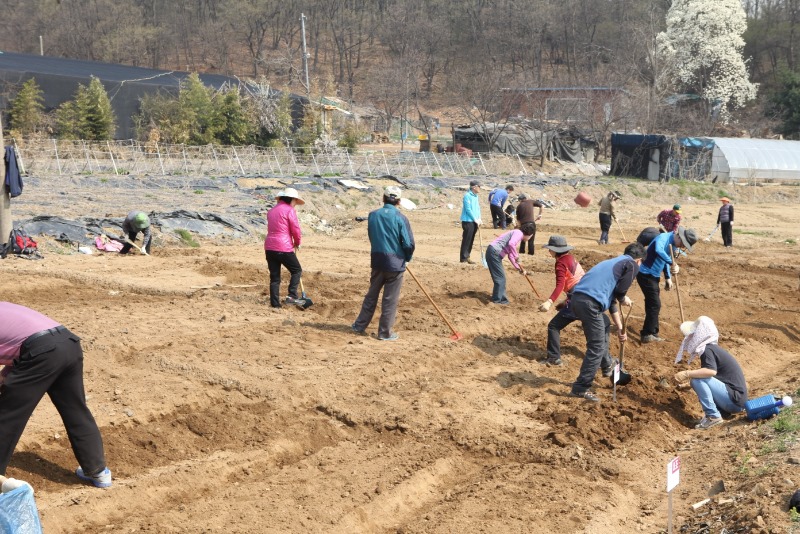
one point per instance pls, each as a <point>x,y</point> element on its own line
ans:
<point>616,379</point>
<point>673,479</point>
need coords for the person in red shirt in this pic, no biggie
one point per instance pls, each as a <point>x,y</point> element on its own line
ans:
<point>669,220</point>
<point>41,356</point>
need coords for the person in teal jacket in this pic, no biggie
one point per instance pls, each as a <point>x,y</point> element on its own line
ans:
<point>392,245</point>
<point>470,220</point>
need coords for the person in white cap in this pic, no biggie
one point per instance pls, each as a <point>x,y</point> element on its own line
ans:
<point>280,245</point>
<point>392,246</point>
<point>719,383</point>
<point>135,222</point>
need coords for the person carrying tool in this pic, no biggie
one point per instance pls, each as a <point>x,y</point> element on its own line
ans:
<point>719,383</point>
<point>600,289</point>
<point>135,222</point>
<point>505,245</point>
<point>725,220</point>
<point>668,220</point>
<point>392,246</point>
<point>657,260</point>
<point>607,214</point>
<point>470,220</point>
<point>41,356</point>
<point>497,199</point>
<point>281,244</point>
<point>568,274</point>
<point>525,214</point>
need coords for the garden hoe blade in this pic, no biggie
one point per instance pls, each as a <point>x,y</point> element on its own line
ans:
<point>304,302</point>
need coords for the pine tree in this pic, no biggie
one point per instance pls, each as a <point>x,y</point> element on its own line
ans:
<point>197,111</point>
<point>235,126</point>
<point>27,107</point>
<point>95,116</point>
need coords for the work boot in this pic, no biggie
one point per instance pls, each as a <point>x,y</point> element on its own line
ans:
<point>651,338</point>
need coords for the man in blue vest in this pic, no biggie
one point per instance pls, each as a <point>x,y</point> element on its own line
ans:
<point>600,289</point>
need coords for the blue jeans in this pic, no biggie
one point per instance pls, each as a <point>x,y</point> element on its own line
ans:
<point>495,263</point>
<point>712,394</point>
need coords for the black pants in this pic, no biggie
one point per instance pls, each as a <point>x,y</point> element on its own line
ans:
<point>132,238</point>
<point>559,322</point>
<point>529,243</point>
<point>498,216</point>
<point>390,282</point>
<point>605,226</point>
<point>468,230</point>
<point>727,234</point>
<point>52,364</point>
<point>652,303</point>
<point>274,261</point>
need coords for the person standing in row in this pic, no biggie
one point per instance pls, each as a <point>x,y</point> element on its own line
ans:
<point>669,220</point>
<point>497,199</point>
<point>392,244</point>
<point>135,222</point>
<point>719,383</point>
<point>280,246</point>
<point>525,214</point>
<point>41,356</point>
<point>656,261</point>
<point>607,214</point>
<point>470,220</point>
<point>505,245</point>
<point>725,220</point>
<point>600,289</point>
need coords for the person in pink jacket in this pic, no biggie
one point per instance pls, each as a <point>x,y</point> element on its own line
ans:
<point>506,246</point>
<point>283,239</point>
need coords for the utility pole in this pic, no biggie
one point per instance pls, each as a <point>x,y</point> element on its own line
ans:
<point>6,224</point>
<point>305,55</point>
<point>404,129</point>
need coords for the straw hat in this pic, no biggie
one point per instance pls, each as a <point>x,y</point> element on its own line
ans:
<point>725,199</point>
<point>290,192</point>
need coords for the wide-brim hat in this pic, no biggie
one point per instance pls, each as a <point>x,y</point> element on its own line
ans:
<point>291,192</point>
<point>725,199</point>
<point>689,327</point>
<point>558,244</point>
<point>688,237</point>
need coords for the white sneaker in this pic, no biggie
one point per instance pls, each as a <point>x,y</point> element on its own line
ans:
<point>100,480</point>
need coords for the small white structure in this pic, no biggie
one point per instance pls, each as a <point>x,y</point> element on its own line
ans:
<point>754,159</point>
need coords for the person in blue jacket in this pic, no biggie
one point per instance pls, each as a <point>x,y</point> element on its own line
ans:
<point>599,290</point>
<point>497,198</point>
<point>393,246</point>
<point>657,260</point>
<point>470,220</point>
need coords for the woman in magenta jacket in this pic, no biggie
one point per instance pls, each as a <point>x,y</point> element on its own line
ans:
<point>283,239</point>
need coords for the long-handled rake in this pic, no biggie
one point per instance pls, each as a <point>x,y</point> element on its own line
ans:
<point>456,335</point>
<point>483,252</point>
<point>619,227</point>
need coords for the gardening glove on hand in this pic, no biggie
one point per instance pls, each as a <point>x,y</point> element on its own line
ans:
<point>668,284</point>
<point>626,301</point>
<point>479,222</point>
<point>675,269</point>
<point>545,306</point>
<point>143,252</point>
<point>682,377</point>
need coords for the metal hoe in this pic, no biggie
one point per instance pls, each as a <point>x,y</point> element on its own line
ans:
<point>304,302</point>
<point>624,378</point>
<point>483,252</point>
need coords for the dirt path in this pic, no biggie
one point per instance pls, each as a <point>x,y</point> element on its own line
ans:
<point>221,414</point>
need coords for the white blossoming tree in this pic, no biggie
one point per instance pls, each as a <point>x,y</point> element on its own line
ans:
<point>702,52</point>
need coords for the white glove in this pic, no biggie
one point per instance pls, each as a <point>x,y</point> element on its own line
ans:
<point>668,284</point>
<point>545,306</point>
<point>143,252</point>
<point>626,301</point>
<point>675,269</point>
<point>479,222</point>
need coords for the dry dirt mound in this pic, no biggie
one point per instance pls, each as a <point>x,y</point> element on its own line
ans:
<point>221,414</point>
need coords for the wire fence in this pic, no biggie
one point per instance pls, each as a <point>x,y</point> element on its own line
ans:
<point>68,157</point>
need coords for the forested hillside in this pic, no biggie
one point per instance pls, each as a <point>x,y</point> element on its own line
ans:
<point>435,52</point>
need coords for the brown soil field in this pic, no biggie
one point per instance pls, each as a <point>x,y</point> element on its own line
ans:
<point>220,414</point>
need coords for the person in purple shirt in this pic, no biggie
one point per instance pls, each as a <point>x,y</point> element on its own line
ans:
<point>41,356</point>
<point>505,245</point>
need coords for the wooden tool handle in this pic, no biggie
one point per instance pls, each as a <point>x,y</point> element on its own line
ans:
<point>431,299</point>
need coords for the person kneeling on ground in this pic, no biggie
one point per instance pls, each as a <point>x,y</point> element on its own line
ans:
<point>505,245</point>
<point>41,356</point>
<point>135,222</point>
<point>719,383</point>
<point>599,290</point>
